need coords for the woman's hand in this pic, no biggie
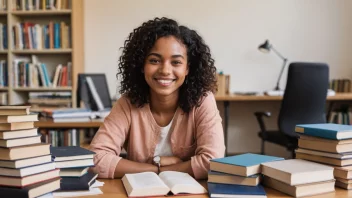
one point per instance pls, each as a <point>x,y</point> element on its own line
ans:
<point>169,160</point>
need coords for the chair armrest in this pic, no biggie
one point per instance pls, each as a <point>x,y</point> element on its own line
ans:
<point>259,116</point>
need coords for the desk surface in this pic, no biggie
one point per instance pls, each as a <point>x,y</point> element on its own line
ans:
<point>338,96</point>
<point>114,189</point>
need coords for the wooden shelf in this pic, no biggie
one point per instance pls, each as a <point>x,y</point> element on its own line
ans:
<point>4,88</point>
<point>3,13</point>
<point>41,12</point>
<point>338,97</point>
<point>49,124</point>
<point>73,17</point>
<point>43,89</point>
<point>43,51</point>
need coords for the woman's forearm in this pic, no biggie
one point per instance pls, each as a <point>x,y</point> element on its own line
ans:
<point>126,166</point>
<point>180,167</point>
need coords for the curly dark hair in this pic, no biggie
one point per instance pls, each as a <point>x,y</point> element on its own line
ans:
<point>202,72</point>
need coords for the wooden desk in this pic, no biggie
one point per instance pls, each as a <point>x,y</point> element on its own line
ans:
<point>240,98</point>
<point>115,189</point>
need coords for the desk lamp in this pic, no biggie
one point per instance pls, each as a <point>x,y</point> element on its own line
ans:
<point>266,47</point>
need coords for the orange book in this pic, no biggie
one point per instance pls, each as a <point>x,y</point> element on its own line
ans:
<point>51,35</point>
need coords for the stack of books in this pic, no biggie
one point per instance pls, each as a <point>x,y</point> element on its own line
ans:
<point>238,175</point>
<point>69,115</point>
<point>26,168</point>
<point>298,177</point>
<point>329,144</point>
<point>74,163</point>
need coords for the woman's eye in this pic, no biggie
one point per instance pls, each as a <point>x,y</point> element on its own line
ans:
<point>154,61</point>
<point>176,62</point>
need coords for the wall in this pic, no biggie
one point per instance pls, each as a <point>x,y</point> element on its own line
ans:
<point>315,30</point>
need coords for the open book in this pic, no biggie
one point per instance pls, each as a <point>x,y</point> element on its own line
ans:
<point>150,184</point>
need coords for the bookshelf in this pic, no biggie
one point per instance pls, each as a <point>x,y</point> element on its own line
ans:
<point>68,11</point>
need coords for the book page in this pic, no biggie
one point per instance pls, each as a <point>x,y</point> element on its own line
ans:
<point>180,182</point>
<point>145,180</point>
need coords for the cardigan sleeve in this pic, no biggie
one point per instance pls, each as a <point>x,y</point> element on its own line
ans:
<point>209,136</point>
<point>110,138</point>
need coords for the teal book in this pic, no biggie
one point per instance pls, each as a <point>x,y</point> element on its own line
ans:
<point>244,165</point>
<point>326,130</point>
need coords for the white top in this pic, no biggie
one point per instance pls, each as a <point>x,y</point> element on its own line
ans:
<point>163,148</point>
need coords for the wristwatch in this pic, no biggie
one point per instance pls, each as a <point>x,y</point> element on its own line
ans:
<point>156,160</point>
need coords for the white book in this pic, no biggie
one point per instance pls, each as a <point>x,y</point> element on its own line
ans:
<point>31,170</point>
<point>90,192</point>
<point>16,164</point>
<point>22,141</point>
<point>94,92</point>
<point>74,163</point>
<point>303,190</point>
<point>325,154</point>
<point>38,39</point>
<point>56,75</point>
<point>151,184</point>
<point>297,171</point>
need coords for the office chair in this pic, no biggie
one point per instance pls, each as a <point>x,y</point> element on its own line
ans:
<point>303,103</point>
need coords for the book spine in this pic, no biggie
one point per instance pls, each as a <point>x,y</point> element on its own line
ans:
<point>56,35</point>
<point>324,133</point>
<point>13,192</point>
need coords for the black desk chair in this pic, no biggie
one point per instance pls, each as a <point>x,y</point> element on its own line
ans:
<point>303,103</point>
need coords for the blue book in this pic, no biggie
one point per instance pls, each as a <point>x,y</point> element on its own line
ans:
<point>244,165</point>
<point>46,75</point>
<point>56,35</point>
<point>230,190</point>
<point>326,130</point>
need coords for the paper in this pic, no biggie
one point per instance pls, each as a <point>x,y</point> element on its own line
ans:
<point>97,184</point>
<point>92,191</point>
<point>48,195</point>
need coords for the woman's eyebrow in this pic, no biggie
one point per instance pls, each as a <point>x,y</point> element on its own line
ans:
<point>178,56</point>
<point>154,54</point>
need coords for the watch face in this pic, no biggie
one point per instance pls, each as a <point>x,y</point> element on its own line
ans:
<point>157,159</point>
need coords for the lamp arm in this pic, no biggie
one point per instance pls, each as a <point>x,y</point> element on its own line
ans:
<point>282,57</point>
<point>278,80</point>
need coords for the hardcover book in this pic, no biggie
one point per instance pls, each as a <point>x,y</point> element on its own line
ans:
<point>168,182</point>
<point>245,165</point>
<point>326,130</point>
<point>235,191</point>
<point>297,171</point>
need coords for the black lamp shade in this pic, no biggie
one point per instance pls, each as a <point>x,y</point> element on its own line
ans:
<point>265,47</point>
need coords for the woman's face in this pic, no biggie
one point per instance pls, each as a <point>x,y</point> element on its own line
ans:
<point>165,66</point>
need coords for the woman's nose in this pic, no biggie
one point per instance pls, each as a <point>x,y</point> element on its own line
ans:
<point>165,68</point>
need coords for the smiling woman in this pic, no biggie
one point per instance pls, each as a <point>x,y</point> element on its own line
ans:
<point>167,118</point>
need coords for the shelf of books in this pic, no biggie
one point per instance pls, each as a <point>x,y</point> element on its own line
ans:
<point>37,63</point>
<point>341,112</point>
<point>4,81</point>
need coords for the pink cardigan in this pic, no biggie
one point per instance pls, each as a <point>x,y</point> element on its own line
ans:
<point>196,136</point>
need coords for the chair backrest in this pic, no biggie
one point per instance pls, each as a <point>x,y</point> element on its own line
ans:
<point>305,96</point>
